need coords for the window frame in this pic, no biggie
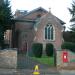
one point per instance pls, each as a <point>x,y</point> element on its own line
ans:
<point>50,32</point>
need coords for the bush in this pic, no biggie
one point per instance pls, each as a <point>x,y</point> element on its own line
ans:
<point>37,49</point>
<point>49,49</point>
<point>68,45</point>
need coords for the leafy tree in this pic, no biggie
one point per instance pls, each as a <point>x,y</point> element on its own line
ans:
<point>5,19</point>
<point>69,36</point>
<point>68,45</point>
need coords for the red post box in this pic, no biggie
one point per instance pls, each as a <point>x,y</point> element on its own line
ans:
<point>65,57</point>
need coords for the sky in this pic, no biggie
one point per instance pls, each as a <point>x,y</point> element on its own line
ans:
<point>59,8</point>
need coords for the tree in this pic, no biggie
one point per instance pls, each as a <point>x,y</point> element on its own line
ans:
<point>69,36</point>
<point>5,19</point>
<point>72,27</point>
<point>68,45</point>
<point>72,12</point>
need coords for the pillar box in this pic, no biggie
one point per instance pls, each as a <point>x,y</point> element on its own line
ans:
<point>65,57</point>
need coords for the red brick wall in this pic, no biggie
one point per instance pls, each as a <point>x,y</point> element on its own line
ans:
<point>27,33</point>
<point>57,26</point>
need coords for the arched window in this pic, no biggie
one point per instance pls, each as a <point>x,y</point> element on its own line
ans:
<point>49,32</point>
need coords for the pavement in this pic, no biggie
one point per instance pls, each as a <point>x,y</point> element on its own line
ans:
<point>27,72</point>
<point>67,72</point>
<point>41,71</point>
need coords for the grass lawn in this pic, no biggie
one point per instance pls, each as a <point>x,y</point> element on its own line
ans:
<point>45,60</point>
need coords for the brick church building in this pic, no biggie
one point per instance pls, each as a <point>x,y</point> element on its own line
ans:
<point>36,26</point>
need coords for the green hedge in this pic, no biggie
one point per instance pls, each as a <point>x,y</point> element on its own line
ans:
<point>37,49</point>
<point>68,45</point>
<point>49,49</point>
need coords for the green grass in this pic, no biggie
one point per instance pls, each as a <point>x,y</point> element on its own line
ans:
<point>45,60</point>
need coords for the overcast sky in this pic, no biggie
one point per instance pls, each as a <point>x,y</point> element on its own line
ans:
<point>58,7</point>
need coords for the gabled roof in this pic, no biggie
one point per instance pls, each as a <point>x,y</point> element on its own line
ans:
<point>62,22</point>
<point>37,9</point>
<point>40,9</point>
<point>33,21</point>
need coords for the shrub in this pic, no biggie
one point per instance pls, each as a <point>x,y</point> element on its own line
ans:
<point>37,49</point>
<point>49,49</point>
<point>68,45</point>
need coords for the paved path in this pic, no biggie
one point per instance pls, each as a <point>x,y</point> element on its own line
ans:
<point>49,71</point>
<point>26,72</point>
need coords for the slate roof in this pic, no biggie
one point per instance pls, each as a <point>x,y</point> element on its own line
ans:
<point>39,8</point>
